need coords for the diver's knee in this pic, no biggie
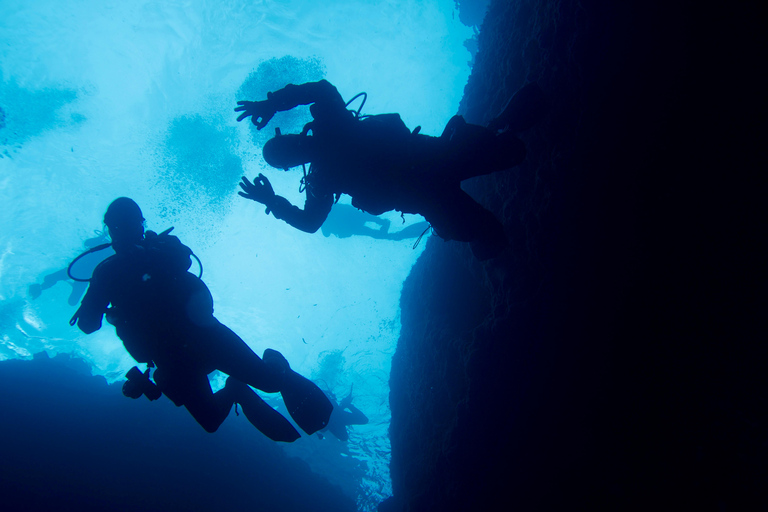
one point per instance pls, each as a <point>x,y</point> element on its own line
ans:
<point>235,389</point>
<point>210,427</point>
<point>277,370</point>
<point>211,422</point>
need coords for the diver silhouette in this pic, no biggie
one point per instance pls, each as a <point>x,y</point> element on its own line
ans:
<point>345,221</point>
<point>78,287</point>
<point>384,166</point>
<point>344,414</point>
<point>164,316</point>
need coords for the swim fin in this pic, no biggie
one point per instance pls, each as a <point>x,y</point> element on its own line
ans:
<point>270,422</point>
<point>307,404</point>
<point>267,420</point>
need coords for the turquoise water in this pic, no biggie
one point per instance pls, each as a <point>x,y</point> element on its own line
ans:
<point>106,99</point>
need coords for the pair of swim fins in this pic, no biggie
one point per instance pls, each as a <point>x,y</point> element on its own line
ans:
<point>306,403</point>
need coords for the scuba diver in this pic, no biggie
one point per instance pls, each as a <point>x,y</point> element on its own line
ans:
<point>343,415</point>
<point>345,221</point>
<point>78,287</point>
<point>384,166</point>
<point>164,316</point>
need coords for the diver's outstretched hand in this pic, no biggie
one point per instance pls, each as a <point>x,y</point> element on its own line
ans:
<point>260,190</point>
<point>260,112</point>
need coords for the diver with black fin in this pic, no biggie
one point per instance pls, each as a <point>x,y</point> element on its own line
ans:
<point>344,414</point>
<point>385,166</point>
<point>164,316</point>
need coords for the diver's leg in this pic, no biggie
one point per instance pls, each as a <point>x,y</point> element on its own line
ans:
<point>228,353</point>
<point>35,289</point>
<point>456,216</point>
<point>412,231</point>
<point>338,428</point>
<point>211,409</point>
<point>522,111</point>
<point>488,236</point>
<point>505,151</point>
<point>306,403</point>
<point>193,391</point>
<point>55,277</point>
<point>474,150</point>
<point>481,152</point>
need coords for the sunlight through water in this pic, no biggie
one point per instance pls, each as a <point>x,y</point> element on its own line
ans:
<point>106,99</point>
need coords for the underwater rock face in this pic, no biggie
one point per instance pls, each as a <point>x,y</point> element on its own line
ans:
<point>601,363</point>
<point>72,442</point>
<point>472,12</point>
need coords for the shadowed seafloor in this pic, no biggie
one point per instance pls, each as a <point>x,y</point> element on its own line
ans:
<point>90,448</point>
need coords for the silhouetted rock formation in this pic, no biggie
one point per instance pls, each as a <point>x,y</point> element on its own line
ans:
<point>611,360</point>
<point>71,442</point>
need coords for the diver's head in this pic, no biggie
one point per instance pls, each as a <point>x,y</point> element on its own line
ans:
<point>125,222</point>
<point>286,151</point>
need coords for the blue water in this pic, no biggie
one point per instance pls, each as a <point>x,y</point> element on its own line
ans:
<point>106,99</point>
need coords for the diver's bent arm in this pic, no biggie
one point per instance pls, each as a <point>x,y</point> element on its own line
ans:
<point>89,315</point>
<point>309,220</point>
<point>94,303</point>
<point>292,95</point>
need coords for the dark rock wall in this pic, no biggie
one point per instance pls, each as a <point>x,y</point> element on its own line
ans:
<point>612,358</point>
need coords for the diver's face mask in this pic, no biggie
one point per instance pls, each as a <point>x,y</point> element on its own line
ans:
<point>132,232</point>
<point>286,151</point>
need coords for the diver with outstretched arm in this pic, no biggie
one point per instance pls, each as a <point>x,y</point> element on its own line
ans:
<point>164,316</point>
<point>384,166</point>
<point>309,220</point>
<point>328,107</point>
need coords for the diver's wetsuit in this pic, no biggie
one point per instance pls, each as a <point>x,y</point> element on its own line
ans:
<point>164,314</point>
<point>383,166</point>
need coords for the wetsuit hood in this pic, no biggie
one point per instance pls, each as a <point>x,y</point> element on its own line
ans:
<point>286,151</point>
<point>125,221</point>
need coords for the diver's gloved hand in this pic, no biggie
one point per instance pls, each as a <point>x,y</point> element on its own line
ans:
<point>260,191</point>
<point>260,112</point>
<point>132,389</point>
<point>139,384</point>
